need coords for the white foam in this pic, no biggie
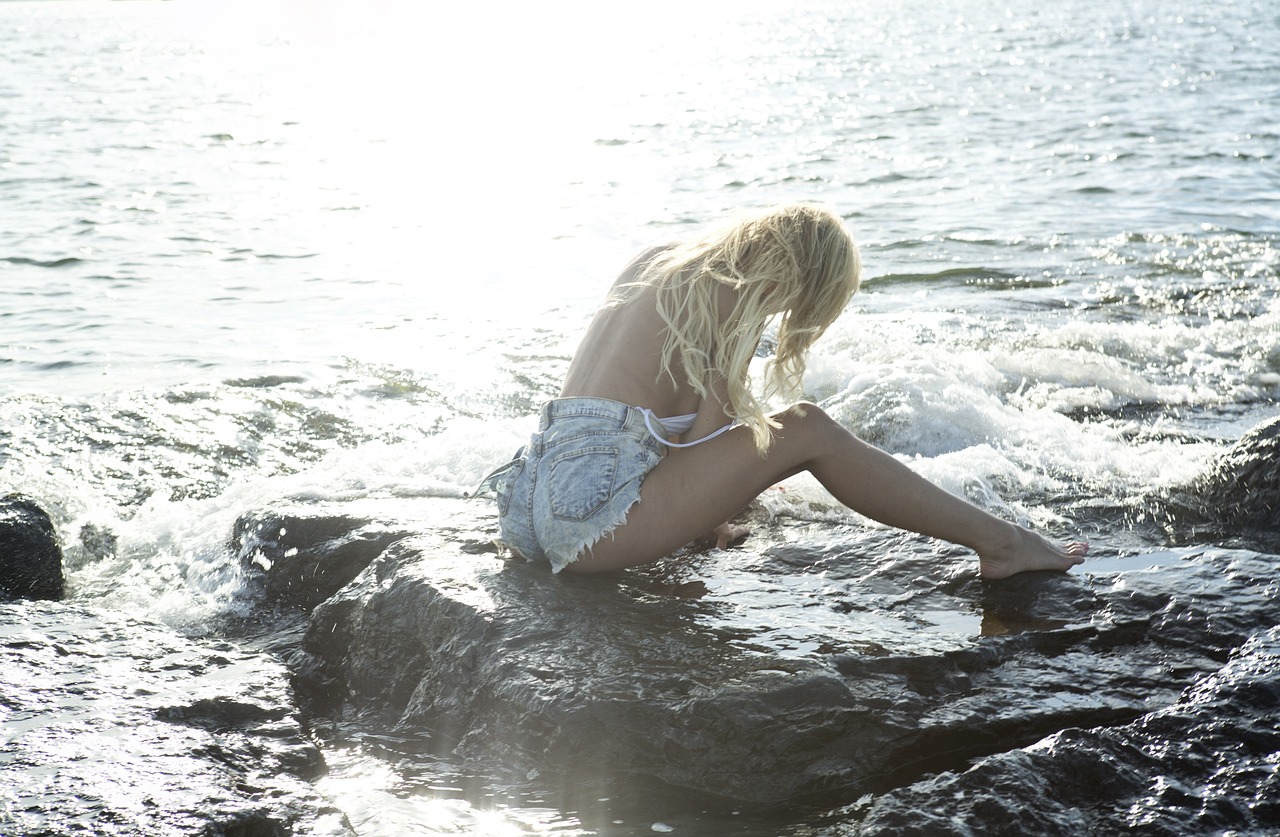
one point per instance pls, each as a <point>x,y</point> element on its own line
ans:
<point>986,416</point>
<point>172,561</point>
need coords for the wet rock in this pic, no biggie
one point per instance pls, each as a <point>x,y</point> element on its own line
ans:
<point>1203,765</point>
<point>118,726</point>
<point>300,559</point>
<point>1245,484</point>
<point>30,555</point>
<point>98,542</point>
<point>803,673</point>
<point>1239,498</point>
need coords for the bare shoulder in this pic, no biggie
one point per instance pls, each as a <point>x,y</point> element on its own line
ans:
<point>647,255</point>
<point>637,265</point>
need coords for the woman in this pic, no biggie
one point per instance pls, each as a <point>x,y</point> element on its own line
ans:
<point>656,438</point>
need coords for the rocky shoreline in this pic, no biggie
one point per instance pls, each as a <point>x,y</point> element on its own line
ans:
<point>867,678</point>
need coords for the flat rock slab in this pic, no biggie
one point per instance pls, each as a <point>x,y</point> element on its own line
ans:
<point>804,672</point>
<point>109,725</point>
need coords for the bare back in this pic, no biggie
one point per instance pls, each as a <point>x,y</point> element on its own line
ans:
<point>620,357</point>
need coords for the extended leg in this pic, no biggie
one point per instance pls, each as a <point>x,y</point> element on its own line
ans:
<point>695,489</point>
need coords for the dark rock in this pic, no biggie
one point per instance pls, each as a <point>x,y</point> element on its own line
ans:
<point>98,542</point>
<point>867,666</point>
<point>30,555</point>
<point>1203,765</point>
<point>1239,497</point>
<point>1244,487</point>
<point>123,727</point>
<point>808,673</point>
<point>299,560</point>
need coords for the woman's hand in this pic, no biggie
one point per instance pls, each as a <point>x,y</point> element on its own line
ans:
<point>728,533</point>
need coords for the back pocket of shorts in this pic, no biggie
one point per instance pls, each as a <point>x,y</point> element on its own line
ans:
<point>582,481</point>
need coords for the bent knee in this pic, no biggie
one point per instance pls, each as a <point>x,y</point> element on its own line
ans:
<point>804,412</point>
<point>805,420</point>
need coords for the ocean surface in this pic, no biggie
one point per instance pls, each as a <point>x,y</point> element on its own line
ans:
<point>342,251</point>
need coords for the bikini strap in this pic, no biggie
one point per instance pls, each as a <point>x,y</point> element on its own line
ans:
<point>648,415</point>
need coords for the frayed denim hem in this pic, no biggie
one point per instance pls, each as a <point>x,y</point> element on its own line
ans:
<point>556,556</point>
<point>577,480</point>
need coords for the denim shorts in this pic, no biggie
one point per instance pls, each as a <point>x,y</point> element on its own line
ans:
<point>576,479</point>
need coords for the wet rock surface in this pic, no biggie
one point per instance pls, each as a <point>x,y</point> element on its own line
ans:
<point>811,673</point>
<point>115,726</point>
<point>300,560</point>
<point>1238,500</point>
<point>30,556</point>
<point>1203,765</point>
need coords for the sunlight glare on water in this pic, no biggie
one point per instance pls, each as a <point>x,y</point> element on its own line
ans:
<point>262,256</point>
<point>457,134</point>
<point>377,802</point>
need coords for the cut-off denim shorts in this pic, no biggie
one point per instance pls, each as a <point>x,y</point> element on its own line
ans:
<point>576,479</point>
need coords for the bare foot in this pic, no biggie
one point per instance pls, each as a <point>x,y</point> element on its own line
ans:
<point>1022,550</point>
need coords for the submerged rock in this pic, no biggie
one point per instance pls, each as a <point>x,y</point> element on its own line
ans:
<point>116,726</point>
<point>30,555</point>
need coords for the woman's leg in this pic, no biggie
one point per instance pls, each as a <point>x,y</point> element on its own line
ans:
<point>695,489</point>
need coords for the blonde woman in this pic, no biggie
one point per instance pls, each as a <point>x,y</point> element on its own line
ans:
<point>657,439</point>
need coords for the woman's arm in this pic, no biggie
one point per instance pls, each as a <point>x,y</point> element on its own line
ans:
<point>713,414</point>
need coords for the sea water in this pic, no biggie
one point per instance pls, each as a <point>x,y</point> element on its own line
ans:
<point>252,252</point>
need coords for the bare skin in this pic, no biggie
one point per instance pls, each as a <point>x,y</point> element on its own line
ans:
<point>692,491</point>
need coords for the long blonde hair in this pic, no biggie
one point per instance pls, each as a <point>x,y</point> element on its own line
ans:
<point>796,262</point>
